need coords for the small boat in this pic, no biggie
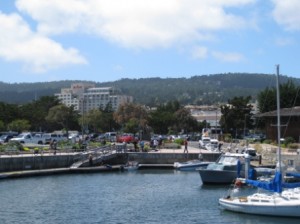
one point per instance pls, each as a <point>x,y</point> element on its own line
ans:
<point>204,141</point>
<point>191,165</point>
<point>131,166</point>
<point>213,145</point>
<point>279,197</point>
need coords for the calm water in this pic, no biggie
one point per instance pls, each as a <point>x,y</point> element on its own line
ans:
<point>145,196</point>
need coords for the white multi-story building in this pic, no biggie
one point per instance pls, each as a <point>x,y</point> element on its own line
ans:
<point>85,97</point>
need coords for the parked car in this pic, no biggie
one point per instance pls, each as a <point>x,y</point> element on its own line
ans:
<point>111,136</point>
<point>27,137</point>
<point>126,137</point>
<point>6,137</point>
<point>255,137</point>
<point>53,137</point>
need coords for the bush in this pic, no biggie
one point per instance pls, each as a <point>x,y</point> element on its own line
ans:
<point>267,141</point>
<point>179,141</point>
<point>15,145</point>
<point>293,146</point>
<point>26,149</point>
<point>288,140</point>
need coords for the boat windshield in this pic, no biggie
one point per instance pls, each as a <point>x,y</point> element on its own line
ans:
<point>228,160</point>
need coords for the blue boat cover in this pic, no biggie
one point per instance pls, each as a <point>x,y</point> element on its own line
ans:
<point>239,167</point>
<point>275,185</point>
<point>293,174</point>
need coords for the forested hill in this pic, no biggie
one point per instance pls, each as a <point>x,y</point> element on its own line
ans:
<point>199,90</point>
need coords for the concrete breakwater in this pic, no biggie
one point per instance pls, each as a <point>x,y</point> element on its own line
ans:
<point>21,162</point>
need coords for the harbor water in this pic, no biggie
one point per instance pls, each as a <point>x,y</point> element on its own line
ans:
<point>143,196</point>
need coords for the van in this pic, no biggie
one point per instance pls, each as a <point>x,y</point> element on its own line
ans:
<point>111,136</point>
<point>53,137</point>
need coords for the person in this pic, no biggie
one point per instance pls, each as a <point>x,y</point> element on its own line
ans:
<point>155,144</point>
<point>220,146</point>
<point>142,145</point>
<point>135,145</point>
<point>185,146</point>
<point>91,159</point>
<point>200,157</point>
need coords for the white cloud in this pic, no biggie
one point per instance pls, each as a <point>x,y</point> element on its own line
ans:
<point>118,68</point>
<point>136,23</point>
<point>286,13</point>
<point>37,52</point>
<point>228,57</point>
<point>284,41</point>
<point>200,52</point>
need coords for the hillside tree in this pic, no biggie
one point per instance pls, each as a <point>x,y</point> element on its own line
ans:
<point>237,115</point>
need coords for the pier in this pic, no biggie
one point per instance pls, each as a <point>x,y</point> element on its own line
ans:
<point>104,159</point>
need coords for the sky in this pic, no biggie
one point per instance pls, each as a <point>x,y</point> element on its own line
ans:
<point>108,40</point>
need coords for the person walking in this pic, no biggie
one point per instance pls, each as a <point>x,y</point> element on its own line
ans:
<point>185,146</point>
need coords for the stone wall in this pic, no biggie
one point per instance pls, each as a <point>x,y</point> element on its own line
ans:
<point>169,158</point>
<point>47,161</point>
<point>27,162</point>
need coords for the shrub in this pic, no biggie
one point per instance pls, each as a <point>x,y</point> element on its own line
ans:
<point>293,146</point>
<point>179,141</point>
<point>267,141</point>
<point>15,145</point>
<point>288,140</point>
<point>227,137</point>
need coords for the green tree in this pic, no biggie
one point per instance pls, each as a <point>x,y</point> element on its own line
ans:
<point>65,117</point>
<point>131,126</point>
<point>289,97</point>
<point>107,122</point>
<point>36,112</point>
<point>172,117</point>
<point>236,115</point>
<point>93,120</point>
<point>132,117</point>
<point>185,121</point>
<point>8,113</point>
<point>19,125</point>
<point>2,126</point>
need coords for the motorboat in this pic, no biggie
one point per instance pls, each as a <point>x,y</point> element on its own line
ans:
<point>213,145</point>
<point>279,198</point>
<point>131,166</point>
<point>225,170</point>
<point>191,165</point>
<point>204,141</point>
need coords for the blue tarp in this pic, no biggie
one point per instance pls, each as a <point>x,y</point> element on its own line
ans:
<point>275,185</point>
<point>293,174</point>
<point>239,167</point>
<point>291,185</point>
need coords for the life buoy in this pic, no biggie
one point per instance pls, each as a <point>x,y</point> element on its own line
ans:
<point>238,183</point>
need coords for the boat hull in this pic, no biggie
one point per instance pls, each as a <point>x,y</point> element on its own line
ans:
<point>217,176</point>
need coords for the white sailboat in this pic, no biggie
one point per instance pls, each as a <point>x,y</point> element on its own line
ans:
<point>279,198</point>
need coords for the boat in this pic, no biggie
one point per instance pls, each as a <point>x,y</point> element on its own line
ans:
<point>131,166</point>
<point>213,145</point>
<point>225,170</point>
<point>191,165</point>
<point>277,197</point>
<point>204,141</point>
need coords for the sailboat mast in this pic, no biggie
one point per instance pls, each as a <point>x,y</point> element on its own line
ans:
<point>278,119</point>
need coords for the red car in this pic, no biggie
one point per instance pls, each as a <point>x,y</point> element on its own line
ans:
<point>126,138</point>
